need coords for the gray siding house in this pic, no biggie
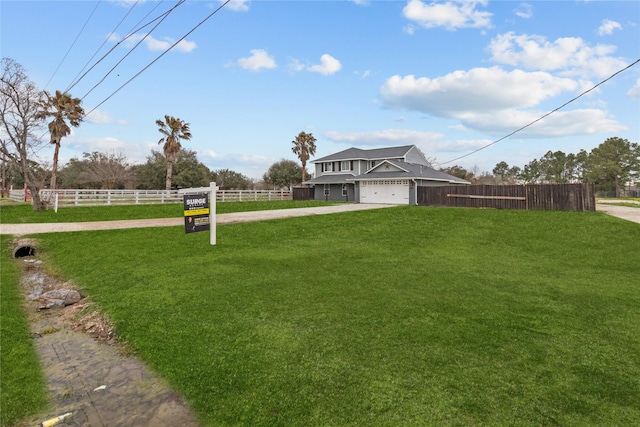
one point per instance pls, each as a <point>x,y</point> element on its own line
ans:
<point>382,175</point>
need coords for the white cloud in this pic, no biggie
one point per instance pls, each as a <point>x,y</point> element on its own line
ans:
<point>134,152</point>
<point>361,2</point>
<point>450,15</point>
<point>237,5</point>
<point>524,11</point>
<point>479,89</point>
<point>328,65</point>
<point>125,3</point>
<point>295,65</point>
<point>384,137</point>
<point>428,142</point>
<point>634,92</point>
<point>497,101</point>
<point>207,155</point>
<point>258,60</point>
<point>570,55</point>
<point>608,26</point>
<point>558,124</point>
<point>102,117</point>
<point>152,43</point>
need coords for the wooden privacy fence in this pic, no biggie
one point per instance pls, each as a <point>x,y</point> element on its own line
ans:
<point>560,197</point>
<point>303,193</point>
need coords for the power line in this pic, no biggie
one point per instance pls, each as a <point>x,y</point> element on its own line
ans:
<point>75,79</point>
<point>131,33</point>
<point>160,56</point>
<point>542,117</point>
<point>165,15</point>
<point>73,44</point>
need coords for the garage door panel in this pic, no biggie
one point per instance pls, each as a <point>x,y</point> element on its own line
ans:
<point>386,193</point>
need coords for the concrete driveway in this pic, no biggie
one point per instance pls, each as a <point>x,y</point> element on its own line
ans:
<point>624,212</point>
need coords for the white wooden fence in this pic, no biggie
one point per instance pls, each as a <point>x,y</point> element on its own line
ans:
<point>62,198</point>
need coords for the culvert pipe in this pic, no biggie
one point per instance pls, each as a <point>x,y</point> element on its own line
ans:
<point>24,251</point>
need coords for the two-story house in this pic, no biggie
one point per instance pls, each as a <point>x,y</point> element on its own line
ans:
<point>381,175</point>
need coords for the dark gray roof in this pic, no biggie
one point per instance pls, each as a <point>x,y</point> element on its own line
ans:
<point>332,179</point>
<point>373,154</point>
<point>410,171</point>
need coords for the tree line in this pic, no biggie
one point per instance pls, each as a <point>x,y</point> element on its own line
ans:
<point>610,166</point>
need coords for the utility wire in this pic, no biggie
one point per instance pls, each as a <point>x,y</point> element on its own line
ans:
<point>180,2</point>
<point>542,117</point>
<point>73,44</point>
<point>75,79</point>
<point>160,56</point>
<point>131,33</point>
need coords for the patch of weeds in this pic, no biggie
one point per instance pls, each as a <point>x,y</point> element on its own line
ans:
<point>49,330</point>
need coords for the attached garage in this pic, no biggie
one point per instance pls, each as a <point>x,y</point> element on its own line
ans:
<point>388,191</point>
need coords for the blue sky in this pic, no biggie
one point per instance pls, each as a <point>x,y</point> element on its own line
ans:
<point>449,77</point>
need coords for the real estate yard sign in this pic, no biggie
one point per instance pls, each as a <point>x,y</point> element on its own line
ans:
<point>196,213</point>
<point>200,210</point>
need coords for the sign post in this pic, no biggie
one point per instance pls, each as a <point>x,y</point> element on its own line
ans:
<point>200,210</point>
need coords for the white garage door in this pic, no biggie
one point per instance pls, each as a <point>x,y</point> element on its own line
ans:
<point>391,192</point>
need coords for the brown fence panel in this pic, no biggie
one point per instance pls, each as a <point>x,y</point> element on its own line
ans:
<point>303,193</point>
<point>568,197</point>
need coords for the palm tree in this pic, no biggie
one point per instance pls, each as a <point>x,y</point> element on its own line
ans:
<point>62,107</point>
<point>304,146</point>
<point>173,130</point>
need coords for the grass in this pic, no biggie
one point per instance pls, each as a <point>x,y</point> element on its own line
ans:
<point>23,388</point>
<point>400,316</point>
<point>24,214</point>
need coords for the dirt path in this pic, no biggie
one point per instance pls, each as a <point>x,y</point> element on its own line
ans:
<point>89,377</point>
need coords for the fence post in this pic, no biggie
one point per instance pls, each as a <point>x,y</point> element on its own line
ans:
<point>212,213</point>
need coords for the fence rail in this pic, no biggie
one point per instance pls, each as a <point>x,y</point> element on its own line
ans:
<point>62,198</point>
<point>564,197</point>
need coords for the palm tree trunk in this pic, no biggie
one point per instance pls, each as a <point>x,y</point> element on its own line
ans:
<point>169,173</point>
<point>54,168</point>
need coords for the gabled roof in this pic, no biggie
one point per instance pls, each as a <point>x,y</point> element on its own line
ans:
<point>408,171</point>
<point>373,154</point>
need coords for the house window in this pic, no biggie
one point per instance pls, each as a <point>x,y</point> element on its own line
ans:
<point>345,165</point>
<point>344,189</point>
<point>372,163</point>
<point>328,167</point>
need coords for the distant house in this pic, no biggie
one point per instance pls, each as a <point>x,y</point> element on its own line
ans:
<point>382,175</point>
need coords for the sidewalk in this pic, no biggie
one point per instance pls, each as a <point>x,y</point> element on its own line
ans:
<point>230,218</point>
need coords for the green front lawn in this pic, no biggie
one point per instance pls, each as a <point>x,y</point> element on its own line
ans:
<point>399,316</point>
